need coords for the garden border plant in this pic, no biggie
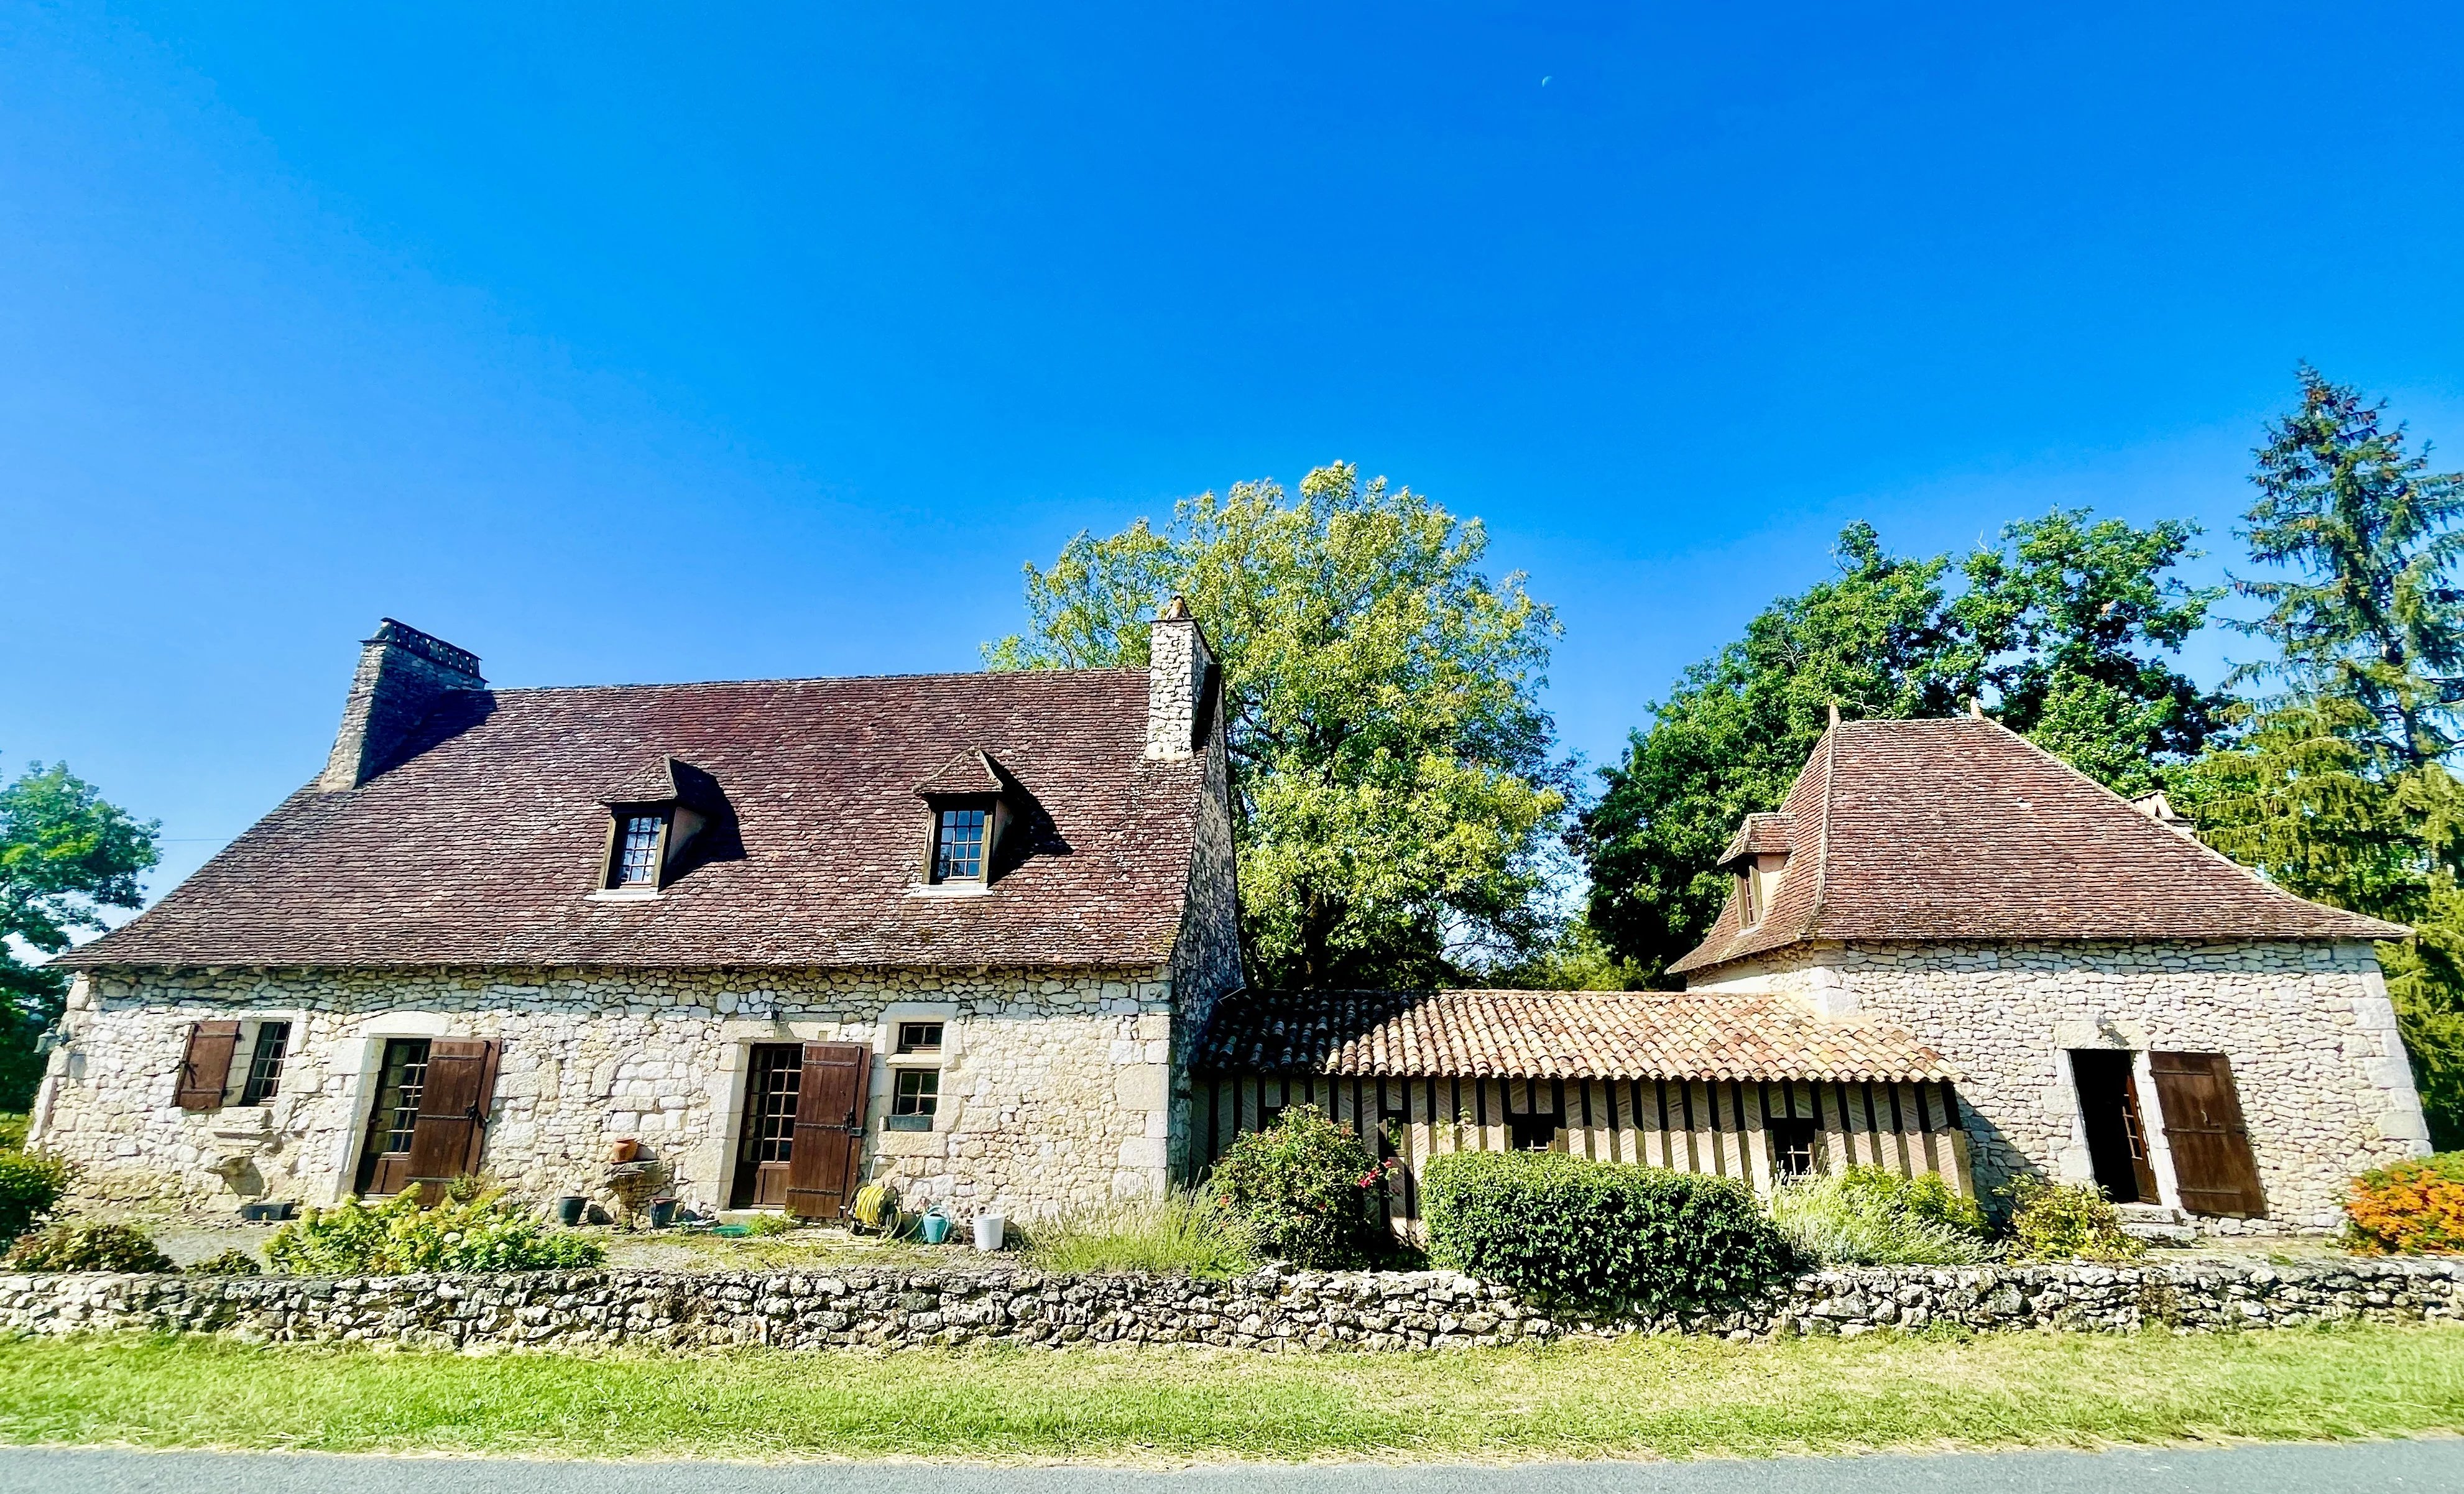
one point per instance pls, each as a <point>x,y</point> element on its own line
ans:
<point>1601,1234</point>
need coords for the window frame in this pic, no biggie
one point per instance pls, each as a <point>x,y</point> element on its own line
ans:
<point>908,1043</point>
<point>914,1098</point>
<point>261,1080</point>
<point>612,876</point>
<point>935,870</point>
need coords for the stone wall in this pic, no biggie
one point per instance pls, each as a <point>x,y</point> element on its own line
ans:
<point>1054,1089</point>
<point>1274,1309</point>
<point>2307,1029</point>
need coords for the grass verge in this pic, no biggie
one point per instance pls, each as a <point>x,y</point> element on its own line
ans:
<point>1635,1397</point>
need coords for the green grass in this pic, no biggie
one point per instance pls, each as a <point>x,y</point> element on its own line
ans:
<point>1181,1231</point>
<point>1635,1397</point>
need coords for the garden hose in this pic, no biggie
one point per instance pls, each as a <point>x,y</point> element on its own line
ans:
<point>876,1205</point>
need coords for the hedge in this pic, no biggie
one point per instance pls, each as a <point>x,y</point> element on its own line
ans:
<point>2409,1206</point>
<point>1604,1234</point>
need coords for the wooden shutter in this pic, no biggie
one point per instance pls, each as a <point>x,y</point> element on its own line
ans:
<point>2212,1164</point>
<point>206,1068</point>
<point>828,1150</point>
<point>452,1128</point>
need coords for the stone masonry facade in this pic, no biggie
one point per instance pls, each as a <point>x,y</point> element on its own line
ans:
<point>1275,1309</point>
<point>2309,1031</point>
<point>1055,1090</point>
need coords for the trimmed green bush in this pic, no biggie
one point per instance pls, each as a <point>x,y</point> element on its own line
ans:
<point>1870,1215</point>
<point>31,1185</point>
<point>13,1132</point>
<point>487,1232</point>
<point>234,1262</point>
<point>1306,1190</point>
<point>1603,1234</point>
<point>88,1245</point>
<point>1177,1232</point>
<point>2067,1221</point>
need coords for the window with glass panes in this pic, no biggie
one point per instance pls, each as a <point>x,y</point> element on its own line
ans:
<point>777,1082</point>
<point>411,1078</point>
<point>918,1092</point>
<point>637,851</point>
<point>265,1062</point>
<point>959,846</point>
<point>919,1037</point>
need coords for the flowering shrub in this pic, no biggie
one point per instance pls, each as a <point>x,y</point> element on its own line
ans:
<point>1305,1189</point>
<point>2067,1221</point>
<point>1606,1234</point>
<point>2409,1206</point>
<point>86,1246</point>
<point>487,1233</point>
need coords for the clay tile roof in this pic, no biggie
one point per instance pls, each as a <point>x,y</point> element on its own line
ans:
<point>970,771</point>
<point>655,783</point>
<point>1962,829</point>
<point>1760,833</point>
<point>1554,1035</point>
<point>483,846</point>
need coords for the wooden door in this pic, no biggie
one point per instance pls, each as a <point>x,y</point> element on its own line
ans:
<point>825,1161</point>
<point>205,1069</point>
<point>393,1116</point>
<point>767,1141</point>
<point>2213,1162</point>
<point>451,1129</point>
<point>2117,1138</point>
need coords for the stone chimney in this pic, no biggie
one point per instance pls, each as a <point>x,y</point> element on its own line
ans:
<point>404,674</point>
<point>1178,673</point>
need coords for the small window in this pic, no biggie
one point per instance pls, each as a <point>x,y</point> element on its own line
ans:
<point>1747,911</point>
<point>265,1062</point>
<point>637,849</point>
<point>1792,1148</point>
<point>918,1092</point>
<point>919,1037</point>
<point>958,846</point>
<point>1534,1132</point>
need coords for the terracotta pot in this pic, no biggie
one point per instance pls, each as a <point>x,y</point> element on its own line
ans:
<point>625,1151</point>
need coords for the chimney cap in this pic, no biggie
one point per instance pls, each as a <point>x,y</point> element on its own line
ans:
<point>1176,610</point>
<point>426,646</point>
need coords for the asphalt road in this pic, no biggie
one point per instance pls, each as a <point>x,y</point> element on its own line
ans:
<point>2377,1468</point>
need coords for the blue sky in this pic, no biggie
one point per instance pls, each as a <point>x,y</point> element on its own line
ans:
<point>647,344</point>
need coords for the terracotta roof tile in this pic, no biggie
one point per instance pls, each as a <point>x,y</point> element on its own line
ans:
<point>483,846</point>
<point>1554,1035</point>
<point>1963,831</point>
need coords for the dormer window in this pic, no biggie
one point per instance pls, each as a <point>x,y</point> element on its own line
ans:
<point>1757,854</point>
<point>637,849</point>
<point>971,804</point>
<point>655,819</point>
<point>959,844</point>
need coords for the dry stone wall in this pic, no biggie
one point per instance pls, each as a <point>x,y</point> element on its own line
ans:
<point>1055,1085</point>
<point>2308,1029</point>
<point>1273,1311</point>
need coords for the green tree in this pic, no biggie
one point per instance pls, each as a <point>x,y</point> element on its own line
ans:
<point>2370,614</point>
<point>64,856</point>
<point>2064,627</point>
<point>2338,786</point>
<point>1394,790</point>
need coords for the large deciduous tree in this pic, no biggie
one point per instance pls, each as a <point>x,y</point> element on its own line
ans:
<point>64,856</point>
<point>1394,793</point>
<point>2063,628</point>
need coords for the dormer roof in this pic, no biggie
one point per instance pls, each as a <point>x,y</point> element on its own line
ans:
<point>971,772</point>
<point>1963,830</point>
<point>1761,834</point>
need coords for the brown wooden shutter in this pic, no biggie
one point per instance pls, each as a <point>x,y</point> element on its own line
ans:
<point>827,1155</point>
<point>205,1070</point>
<point>452,1125</point>
<point>2212,1164</point>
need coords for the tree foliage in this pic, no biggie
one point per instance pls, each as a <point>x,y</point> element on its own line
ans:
<point>1394,790</point>
<point>2339,786</point>
<point>65,855</point>
<point>2066,627</point>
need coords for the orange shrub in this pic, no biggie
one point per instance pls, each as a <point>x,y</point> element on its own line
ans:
<point>2409,1206</point>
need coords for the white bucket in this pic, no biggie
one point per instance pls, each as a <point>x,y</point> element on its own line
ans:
<point>988,1231</point>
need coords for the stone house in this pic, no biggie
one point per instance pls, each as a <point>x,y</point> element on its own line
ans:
<point>2126,1007</point>
<point>959,932</point>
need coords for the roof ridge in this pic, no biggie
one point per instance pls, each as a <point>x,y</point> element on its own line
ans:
<point>802,679</point>
<point>1822,839</point>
